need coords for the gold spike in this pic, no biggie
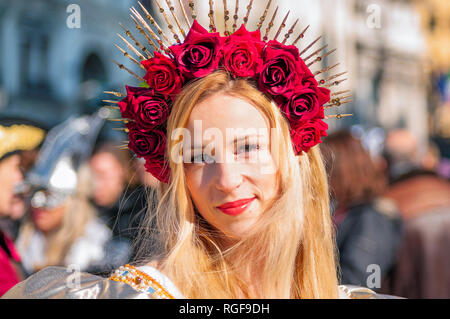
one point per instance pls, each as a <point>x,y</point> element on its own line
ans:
<point>314,53</point>
<point>338,116</point>
<point>288,34</point>
<point>153,22</point>
<point>125,53</point>
<point>132,48</point>
<point>270,24</point>
<point>226,17</point>
<point>129,71</point>
<point>339,99</point>
<point>118,94</point>
<point>142,31</point>
<point>249,8</point>
<point>337,102</point>
<point>337,82</point>
<point>121,129</point>
<point>147,27</point>
<point>184,13</point>
<point>172,11</point>
<point>169,25</point>
<point>212,25</point>
<point>110,101</point>
<point>320,58</point>
<point>235,17</point>
<point>326,69</point>
<point>143,48</point>
<point>301,35</point>
<point>310,45</point>
<point>340,92</point>
<point>263,17</point>
<point>334,76</point>
<point>121,120</point>
<point>282,25</point>
<point>192,7</point>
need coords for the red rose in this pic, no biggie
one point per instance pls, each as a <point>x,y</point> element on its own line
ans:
<point>283,68</point>
<point>146,143</point>
<point>323,95</point>
<point>304,104</point>
<point>162,75</point>
<point>307,134</point>
<point>242,53</point>
<point>158,167</point>
<point>125,109</point>
<point>199,55</point>
<point>308,79</point>
<point>149,109</point>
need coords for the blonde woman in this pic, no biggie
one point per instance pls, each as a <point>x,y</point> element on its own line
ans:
<point>63,231</point>
<point>230,228</point>
<point>239,229</point>
<point>229,126</point>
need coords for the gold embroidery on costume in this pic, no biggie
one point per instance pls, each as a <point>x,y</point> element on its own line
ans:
<point>140,281</point>
<point>358,292</point>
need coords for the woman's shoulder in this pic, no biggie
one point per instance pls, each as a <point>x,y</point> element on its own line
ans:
<point>64,283</point>
<point>357,292</point>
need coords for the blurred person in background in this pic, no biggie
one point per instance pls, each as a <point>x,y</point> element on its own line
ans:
<point>368,226</point>
<point>15,136</point>
<point>18,205</point>
<point>118,192</point>
<point>63,228</point>
<point>410,179</point>
<point>423,266</point>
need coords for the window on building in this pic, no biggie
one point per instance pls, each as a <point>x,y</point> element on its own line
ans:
<point>34,47</point>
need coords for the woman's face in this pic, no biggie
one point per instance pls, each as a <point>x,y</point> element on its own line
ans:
<point>109,179</point>
<point>48,219</point>
<point>10,175</point>
<point>234,180</point>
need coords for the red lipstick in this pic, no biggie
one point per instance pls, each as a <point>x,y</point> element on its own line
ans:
<point>236,207</point>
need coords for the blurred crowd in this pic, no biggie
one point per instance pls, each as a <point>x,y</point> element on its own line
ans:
<point>391,210</point>
<point>68,199</point>
<point>392,214</point>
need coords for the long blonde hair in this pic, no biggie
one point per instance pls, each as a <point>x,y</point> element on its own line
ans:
<point>78,212</point>
<point>294,239</point>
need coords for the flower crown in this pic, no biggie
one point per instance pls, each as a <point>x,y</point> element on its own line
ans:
<point>277,68</point>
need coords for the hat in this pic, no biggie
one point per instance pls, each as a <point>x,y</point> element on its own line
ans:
<point>66,147</point>
<point>18,134</point>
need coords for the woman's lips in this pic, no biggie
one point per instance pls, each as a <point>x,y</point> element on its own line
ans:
<point>236,207</point>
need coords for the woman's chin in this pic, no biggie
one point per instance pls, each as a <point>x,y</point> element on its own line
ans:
<point>238,230</point>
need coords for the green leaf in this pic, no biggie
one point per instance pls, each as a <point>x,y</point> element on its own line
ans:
<point>144,85</point>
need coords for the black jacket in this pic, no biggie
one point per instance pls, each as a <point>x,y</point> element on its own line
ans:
<point>367,240</point>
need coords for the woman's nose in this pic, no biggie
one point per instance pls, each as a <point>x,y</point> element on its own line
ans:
<point>17,175</point>
<point>228,176</point>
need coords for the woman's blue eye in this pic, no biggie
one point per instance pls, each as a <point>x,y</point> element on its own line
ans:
<point>249,148</point>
